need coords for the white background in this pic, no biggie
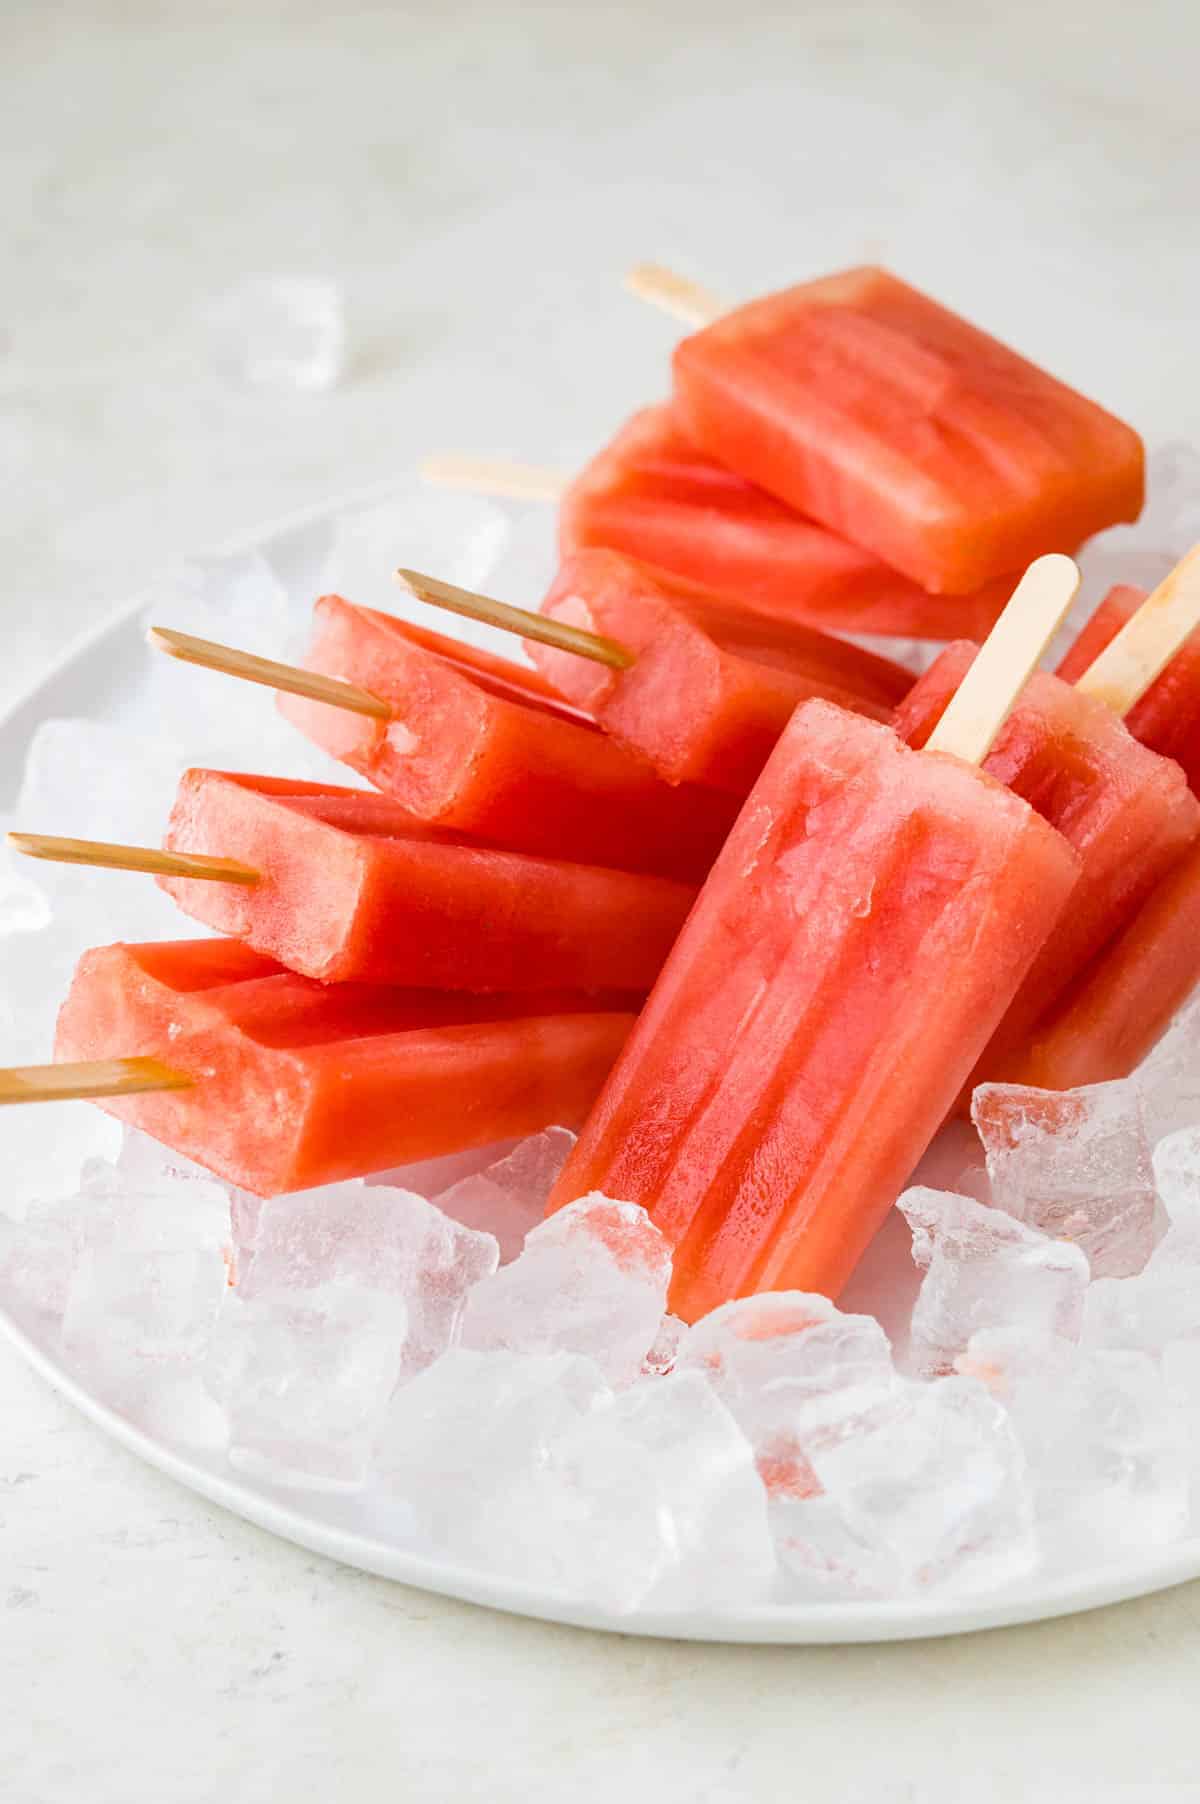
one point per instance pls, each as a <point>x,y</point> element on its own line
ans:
<point>476,177</point>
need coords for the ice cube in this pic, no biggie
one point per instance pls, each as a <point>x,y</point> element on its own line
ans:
<point>454,536</point>
<point>1169,1078</point>
<point>1101,1439</point>
<point>237,599</point>
<point>509,1198</point>
<point>525,569</point>
<point>1177,1179</point>
<point>1159,1305</point>
<point>305,1377</point>
<point>92,780</point>
<point>795,1373</point>
<point>281,331</point>
<point>388,1240</point>
<point>592,1279</point>
<point>985,1270</point>
<point>38,1256</point>
<point>931,1491</point>
<point>44,1150</point>
<point>527,1464</point>
<point>1076,1165</point>
<point>1181,1376</point>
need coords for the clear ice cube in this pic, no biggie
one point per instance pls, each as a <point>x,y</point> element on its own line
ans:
<point>985,1270</point>
<point>281,332</point>
<point>389,1240</point>
<point>509,1198</point>
<point>796,1373</point>
<point>1074,1164</point>
<point>529,1465</point>
<point>1100,1434</point>
<point>1177,1179</point>
<point>931,1491</point>
<point>592,1279</point>
<point>455,536</point>
<point>305,1377</point>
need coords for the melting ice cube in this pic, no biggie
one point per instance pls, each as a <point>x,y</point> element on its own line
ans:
<point>985,1270</point>
<point>1074,1164</point>
<point>592,1279</point>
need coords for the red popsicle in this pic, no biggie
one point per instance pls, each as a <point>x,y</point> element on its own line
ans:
<point>1167,718</point>
<point>861,402</point>
<point>352,888</point>
<point>1123,1002</point>
<point>484,747</point>
<point>865,928</point>
<point>656,496</point>
<point>1127,813</point>
<point>297,1084</point>
<point>711,686</point>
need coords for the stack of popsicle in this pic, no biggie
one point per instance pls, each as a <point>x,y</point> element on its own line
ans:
<point>847,453</point>
<point>458,955</point>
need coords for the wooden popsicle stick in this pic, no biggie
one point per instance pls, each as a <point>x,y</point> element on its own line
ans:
<point>104,855</point>
<point>494,476</point>
<point>1149,640</point>
<point>527,625</point>
<point>93,1079</point>
<point>987,694</point>
<point>673,294</point>
<point>250,669</point>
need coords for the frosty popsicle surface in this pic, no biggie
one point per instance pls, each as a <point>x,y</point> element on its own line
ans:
<point>1127,813</point>
<point>484,747</point>
<point>352,889</point>
<point>859,401</point>
<point>711,686</point>
<point>861,935</point>
<point>297,1084</point>
<point>1167,716</point>
<point>654,495</point>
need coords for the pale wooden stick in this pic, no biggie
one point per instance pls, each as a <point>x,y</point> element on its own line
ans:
<point>104,855</point>
<point>250,669</point>
<point>94,1079</point>
<point>1149,640</point>
<point>454,600</point>
<point>674,294</point>
<point>987,694</point>
<point>494,476</point>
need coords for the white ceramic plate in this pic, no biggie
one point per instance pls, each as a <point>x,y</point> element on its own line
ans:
<point>93,670</point>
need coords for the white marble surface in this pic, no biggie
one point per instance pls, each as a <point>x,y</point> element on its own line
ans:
<point>475,175</point>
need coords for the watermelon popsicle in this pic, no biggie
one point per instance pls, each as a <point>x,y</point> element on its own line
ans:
<point>284,1083</point>
<point>704,689</point>
<point>476,745</point>
<point>655,496</point>
<point>1131,818</point>
<point>866,926</point>
<point>861,402</point>
<point>1167,716</point>
<point>343,885</point>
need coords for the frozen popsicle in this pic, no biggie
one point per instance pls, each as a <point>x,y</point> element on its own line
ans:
<point>654,495</point>
<point>861,402</point>
<point>287,1083</point>
<point>478,745</point>
<point>1121,1004</point>
<point>866,926</point>
<point>706,688</point>
<point>1167,718</point>
<point>344,886</point>
<point>1129,815</point>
